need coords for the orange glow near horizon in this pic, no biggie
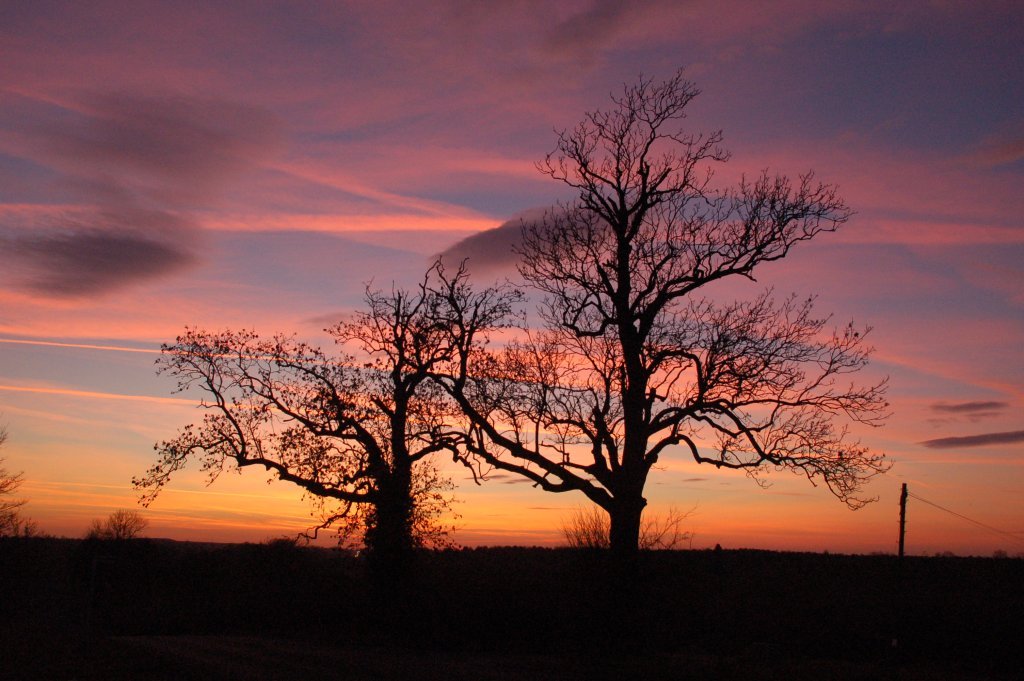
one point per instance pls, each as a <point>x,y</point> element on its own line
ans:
<point>728,509</point>
<point>252,512</point>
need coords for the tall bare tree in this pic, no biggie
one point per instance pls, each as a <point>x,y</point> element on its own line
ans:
<point>355,430</point>
<point>632,358</point>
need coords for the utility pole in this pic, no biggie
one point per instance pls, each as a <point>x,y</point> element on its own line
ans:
<point>903,517</point>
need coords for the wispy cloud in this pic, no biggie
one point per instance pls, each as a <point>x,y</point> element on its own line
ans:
<point>79,346</point>
<point>975,409</point>
<point>999,151</point>
<point>176,149</point>
<point>90,261</point>
<point>584,35</point>
<point>496,250</point>
<point>141,167</point>
<point>983,440</point>
<point>67,392</point>
<point>951,412</point>
<point>492,250</point>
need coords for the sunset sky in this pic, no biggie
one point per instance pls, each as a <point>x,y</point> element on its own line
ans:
<point>251,165</point>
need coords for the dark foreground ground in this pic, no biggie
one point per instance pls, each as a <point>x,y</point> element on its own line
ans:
<point>162,610</point>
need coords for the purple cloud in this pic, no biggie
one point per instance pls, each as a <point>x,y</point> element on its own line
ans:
<point>999,151</point>
<point>87,262</point>
<point>167,149</point>
<point>970,408</point>
<point>140,168</point>
<point>983,440</point>
<point>495,250</point>
<point>971,411</point>
<point>584,35</point>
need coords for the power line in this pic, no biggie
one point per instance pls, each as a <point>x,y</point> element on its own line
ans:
<point>1004,533</point>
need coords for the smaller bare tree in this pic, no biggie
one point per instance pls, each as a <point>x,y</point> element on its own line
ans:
<point>590,528</point>
<point>357,430</point>
<point>586,528</point>
<point>121,524</point>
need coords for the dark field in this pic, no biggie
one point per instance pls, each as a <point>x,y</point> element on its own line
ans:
<point>147,609</point>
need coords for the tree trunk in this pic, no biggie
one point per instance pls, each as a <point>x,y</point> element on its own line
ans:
<point>389,536</point>
<point>623,601</point>
<point>391,558</point>
<point>624,537</point>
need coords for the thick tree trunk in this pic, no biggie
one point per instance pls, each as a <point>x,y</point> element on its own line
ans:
<point>391,557</point>
<point>624,537</point>
<point>389,536</point>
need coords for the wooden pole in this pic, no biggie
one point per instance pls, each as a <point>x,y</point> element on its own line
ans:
<point>903,517</point>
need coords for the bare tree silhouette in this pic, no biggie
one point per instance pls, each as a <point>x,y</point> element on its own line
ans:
<point>124,523</point>
<point>12,523</point>
<point>354,430</point>
<point>632,359</point>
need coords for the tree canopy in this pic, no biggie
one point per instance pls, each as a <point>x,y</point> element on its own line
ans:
<point>354,429</point>
<point>633,358</point>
